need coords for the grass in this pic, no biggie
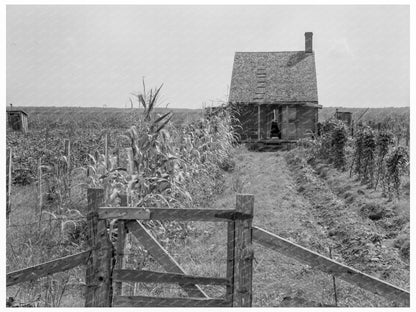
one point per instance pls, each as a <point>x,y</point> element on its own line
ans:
<point>281,209</point>
<point>30,242</point>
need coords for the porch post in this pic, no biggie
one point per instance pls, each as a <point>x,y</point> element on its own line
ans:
<point>258,122</point>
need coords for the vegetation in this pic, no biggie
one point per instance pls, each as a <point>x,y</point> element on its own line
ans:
<point>397,164</point>
<point>375,188</point>
<point>373,155</point>
<point>170,159</point>
<point>393,119</point>
<point>364,156</point>
<point>155,161</point>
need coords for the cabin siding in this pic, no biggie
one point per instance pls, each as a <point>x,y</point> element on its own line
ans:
<point>306,121</point>
<point>295,121</point>
<point>17,120</point>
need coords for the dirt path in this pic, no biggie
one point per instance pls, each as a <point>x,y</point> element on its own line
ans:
<point>280,209</point>
<point>284,208</point>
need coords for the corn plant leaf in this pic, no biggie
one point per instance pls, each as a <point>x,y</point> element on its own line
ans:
<point>152,102</point>
<point>49,213</point>
<point>144,85</point>
<point>142,101</point>
<point>161,118</point>
<point>164,124</point>
<point>75,211</point>
<point>114,194</point>
<point>93,159</point>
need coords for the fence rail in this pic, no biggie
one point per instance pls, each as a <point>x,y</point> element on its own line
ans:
<point>144,301</point>
<point>170,214</point>
<point>330,266</point>
<point>47,268</point>
<point>145,276</point>
<point>162,256</point>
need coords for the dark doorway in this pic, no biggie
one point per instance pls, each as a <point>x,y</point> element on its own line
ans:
<point>275,130</point>
<point>14,121</point>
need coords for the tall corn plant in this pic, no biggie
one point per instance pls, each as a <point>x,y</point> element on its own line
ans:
<point>154,180</point>
<point>169,166</point>
<point>206,146</point>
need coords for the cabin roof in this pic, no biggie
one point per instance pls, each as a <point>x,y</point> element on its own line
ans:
<point>16,111</point>
<point>273,77</point>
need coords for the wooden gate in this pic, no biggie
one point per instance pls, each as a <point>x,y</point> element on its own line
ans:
<point>101,273</point>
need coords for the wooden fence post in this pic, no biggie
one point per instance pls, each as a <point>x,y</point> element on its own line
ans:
<point>243,253</point>
<point>67,152</point>
<point>99,267</point>
<point>9,161</point>
<point>121,248</point>
<point>407,134</point>
<point>130,169</point>
<point>40,185</point>
<point>230,260</point>
<point>106,143</point>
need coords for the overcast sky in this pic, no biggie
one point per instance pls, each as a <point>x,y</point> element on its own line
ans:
<point>97,55</point>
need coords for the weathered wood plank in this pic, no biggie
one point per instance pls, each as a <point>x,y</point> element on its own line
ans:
<point>143,301</point>
<point>121,246</point>
<point>129,213</point>
<point>162,256</point>
<point>230,260</point>
<point>124,213</point>
<point>244,254</point>
<point>330,266</point>
<point>106,155</point>
<point>98,275</point>
<point>40,191</point>
<point>145,276</point>
<point>9,164</point>
<point>47,268</point>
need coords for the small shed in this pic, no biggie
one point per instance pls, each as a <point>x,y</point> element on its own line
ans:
<point>275,94</point>
<point>17,120</point>
<point>346,117</point>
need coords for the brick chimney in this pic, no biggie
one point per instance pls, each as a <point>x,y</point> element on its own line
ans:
<point>308,42</point>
